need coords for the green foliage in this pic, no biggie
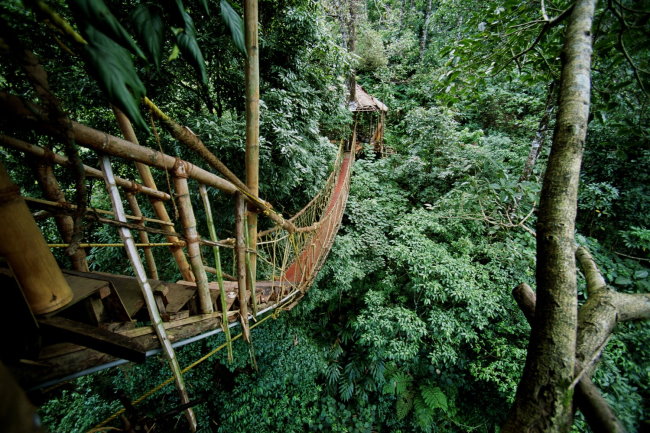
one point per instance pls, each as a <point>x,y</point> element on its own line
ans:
<point>235,24</point>
<point>149,25</point>
<point>370,50</point>
<point>116,74</point>
<point>95,14</point>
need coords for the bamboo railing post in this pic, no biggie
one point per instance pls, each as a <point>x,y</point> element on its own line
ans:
<point>192,237</point>
<point>240,252</point>
<point>147,292</point>
<point>217,260</point>
<point>250,271</point>
<point>252,134</point>
<point>144,236</point>
<point>64,223</point>
<point>158,206</point>
<point>27,253</point>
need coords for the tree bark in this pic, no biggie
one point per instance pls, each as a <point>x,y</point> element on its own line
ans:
<point>587,398</point>
<point>544,395</point>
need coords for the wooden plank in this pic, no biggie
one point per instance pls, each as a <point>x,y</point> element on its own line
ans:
<point>178,295</point>
<point>126,287</point>
<point>95,338</point>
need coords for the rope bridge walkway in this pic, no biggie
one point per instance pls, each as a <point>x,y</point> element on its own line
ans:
<point>94,326</point>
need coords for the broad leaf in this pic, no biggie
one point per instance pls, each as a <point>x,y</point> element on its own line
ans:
<point>148,23</point>
<point>235,24</point>
<point>187,43</point>
<point>112,66</point>
<point>190,48</point>
<point>95,13</point>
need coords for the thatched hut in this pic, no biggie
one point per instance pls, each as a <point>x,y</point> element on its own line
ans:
<point>369,116</point>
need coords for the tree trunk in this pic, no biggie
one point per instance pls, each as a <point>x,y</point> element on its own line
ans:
<point>588,399</point>
<point>352,45</point>
<point>425,29</point>
<point>544,395</point>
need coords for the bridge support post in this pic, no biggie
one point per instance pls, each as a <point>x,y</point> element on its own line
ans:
<point>146,289</point>
<point>25,250</point>
<point>240,253</point>
<point>157,205</point>
<point>252,126</point>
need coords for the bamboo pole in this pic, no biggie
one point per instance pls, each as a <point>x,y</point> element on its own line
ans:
<point>147,292</point>
<point>252,135</point>
<point>158,206</point>
<point>64,223</point>
<point>217,260</point>
<point>250,278</point>
<point>144,236</point>
<point>15,107</point>
<point>46,154</point>
<point>72,207</point>
<point>240,251</point>
<point>185,136</point>
<point>114,244</point>
<point>27,253</point>
<point>192,237</point>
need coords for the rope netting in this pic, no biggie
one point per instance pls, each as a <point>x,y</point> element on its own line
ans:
<point>295,258</point>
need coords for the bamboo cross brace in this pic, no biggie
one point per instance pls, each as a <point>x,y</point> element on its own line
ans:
<point>157,205</point>
<point>46,154</point>
<point>147,292</point>
<point>72,207</point>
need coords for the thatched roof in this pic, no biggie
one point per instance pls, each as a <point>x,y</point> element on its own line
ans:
<point>366,102</point>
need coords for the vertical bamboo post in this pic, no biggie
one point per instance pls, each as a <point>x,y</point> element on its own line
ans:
<point>252,126</point>
<point>158,206</point>
<point>192,236</point>
<point>144,236</point>
<point>250,280</point>
<point>27,253</point>
<point>240,249</point>
<point>147,292</point>
<point>64,223</point>
<point>217,265</point>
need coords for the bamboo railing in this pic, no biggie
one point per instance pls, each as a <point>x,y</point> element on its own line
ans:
<point>271,268</point>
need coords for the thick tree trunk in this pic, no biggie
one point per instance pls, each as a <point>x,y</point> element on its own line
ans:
<point>544,395</point>
<point>587,398</point>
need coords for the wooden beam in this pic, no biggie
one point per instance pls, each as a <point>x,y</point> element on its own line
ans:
<point>63,329</point>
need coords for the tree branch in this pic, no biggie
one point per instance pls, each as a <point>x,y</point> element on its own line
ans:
<point>548,24</point>
<point>587,397</point>
<point>595,280</point>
